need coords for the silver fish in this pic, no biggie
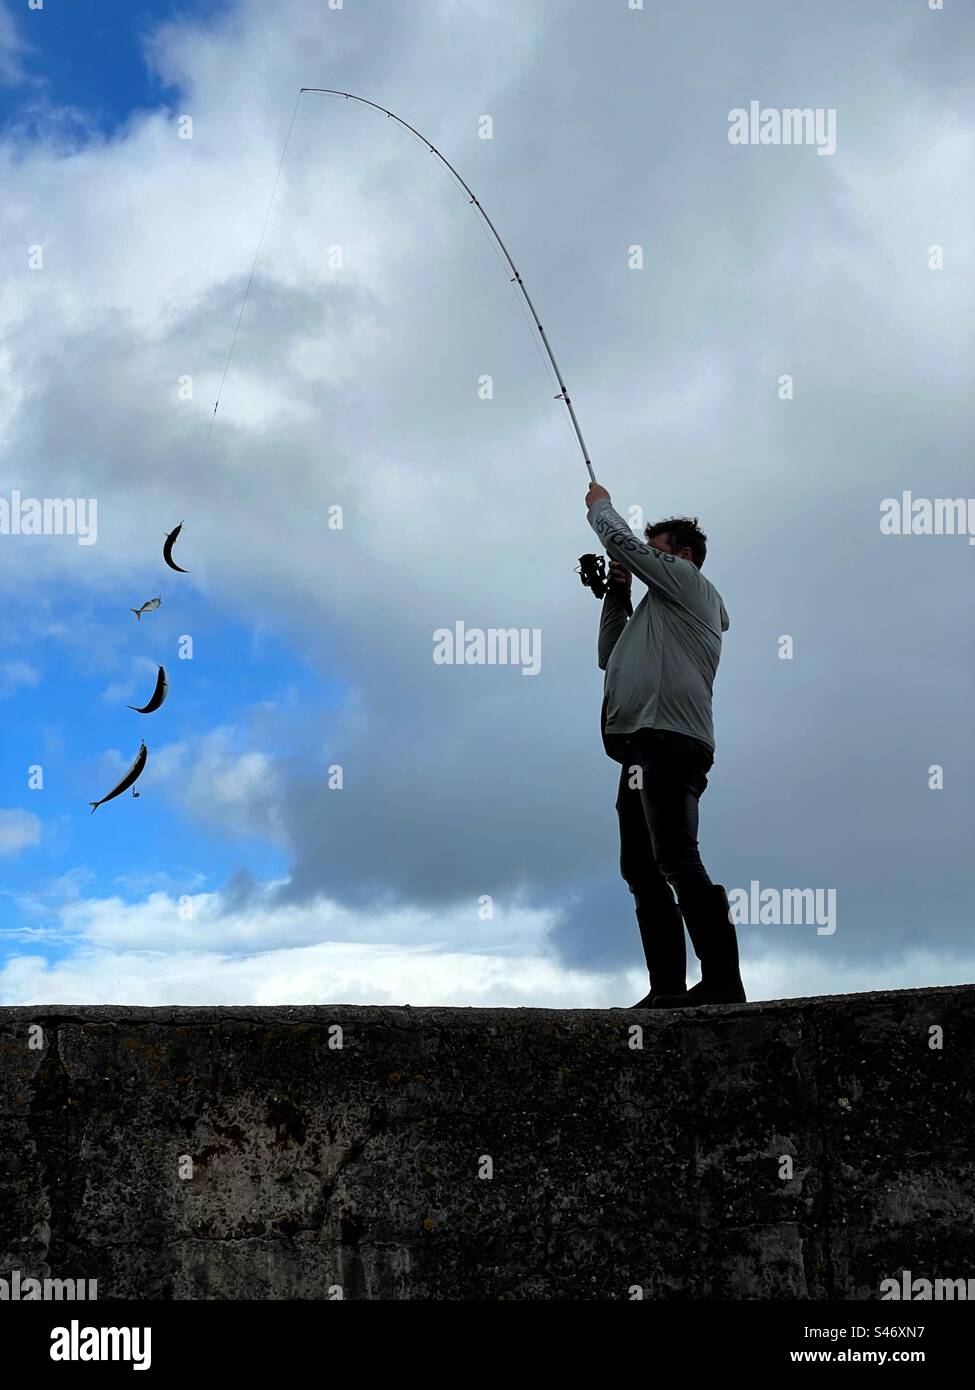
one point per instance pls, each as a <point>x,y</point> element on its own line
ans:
<point>133,774</point>
<point>149,606</point>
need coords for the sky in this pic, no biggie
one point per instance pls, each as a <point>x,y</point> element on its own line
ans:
<point>774,339</point>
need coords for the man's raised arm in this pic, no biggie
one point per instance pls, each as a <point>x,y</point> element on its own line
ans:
<point>668,574</point>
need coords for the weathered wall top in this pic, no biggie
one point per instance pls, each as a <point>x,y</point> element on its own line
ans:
<point>797,1149</point>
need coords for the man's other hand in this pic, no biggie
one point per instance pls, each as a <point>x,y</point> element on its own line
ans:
<point>619,577</point>
<point>596,494</point>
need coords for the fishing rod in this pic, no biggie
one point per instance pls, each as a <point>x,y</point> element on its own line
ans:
<point>592,567</point>
<point>515,274</point>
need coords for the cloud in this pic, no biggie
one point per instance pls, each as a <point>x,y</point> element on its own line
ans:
<point>358,387</point>
<point>331,973</point>
<point>210,778</point>
<point>18,830</point>
<point>13,50</point>
<point>199,950</point>
<point>18,675</point>
<point>139,680</point>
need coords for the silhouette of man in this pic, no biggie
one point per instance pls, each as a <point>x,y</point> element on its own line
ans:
<point>660,660</point>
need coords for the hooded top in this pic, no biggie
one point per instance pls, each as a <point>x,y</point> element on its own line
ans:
<point>661,658</point>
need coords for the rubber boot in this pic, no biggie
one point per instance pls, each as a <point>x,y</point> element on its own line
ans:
<point>662,934</point>
<point>708,917</point>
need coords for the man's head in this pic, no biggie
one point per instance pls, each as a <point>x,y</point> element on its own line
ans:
<point>681,536</point>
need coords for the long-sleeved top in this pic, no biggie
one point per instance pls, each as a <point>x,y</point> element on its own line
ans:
<point>660,659</point>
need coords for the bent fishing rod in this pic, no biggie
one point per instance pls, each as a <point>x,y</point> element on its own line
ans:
<point>479,210</point>
<point>475,203</point>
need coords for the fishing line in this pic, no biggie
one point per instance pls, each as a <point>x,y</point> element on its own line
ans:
<point>487,226</point>
<point>257,253</point>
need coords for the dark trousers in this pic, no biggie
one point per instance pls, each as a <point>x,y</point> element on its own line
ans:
<point>662,779</point>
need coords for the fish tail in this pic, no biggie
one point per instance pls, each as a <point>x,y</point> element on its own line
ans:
<point>94,806</point>
<point>137,614</point>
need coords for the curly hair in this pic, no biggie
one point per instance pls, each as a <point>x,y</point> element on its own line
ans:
<point>681,531</point>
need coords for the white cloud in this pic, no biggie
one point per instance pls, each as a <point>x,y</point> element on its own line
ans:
<point>782,974</point>
<point>390,973</point>
<point>332,973</point>
<point>198,949</point>
<point>18,830</point>
<point>139,681</point>
<point>18,675</point>
<point>212,779</point>
<point>13,50</point>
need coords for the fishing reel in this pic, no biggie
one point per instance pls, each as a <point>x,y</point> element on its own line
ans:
<point>592,572</point>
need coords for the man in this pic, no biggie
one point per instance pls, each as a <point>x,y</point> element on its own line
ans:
<point>660,662</point>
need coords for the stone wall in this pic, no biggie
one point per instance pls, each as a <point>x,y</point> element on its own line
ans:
<point>799,1149</point>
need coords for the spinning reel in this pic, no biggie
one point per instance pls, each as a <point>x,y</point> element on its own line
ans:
<point>593,573</point>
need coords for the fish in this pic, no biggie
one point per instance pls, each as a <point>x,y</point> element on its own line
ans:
<point>168,544</point>
<point>149,606</point>
<point>133,774</point>
<point>157,696</point>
